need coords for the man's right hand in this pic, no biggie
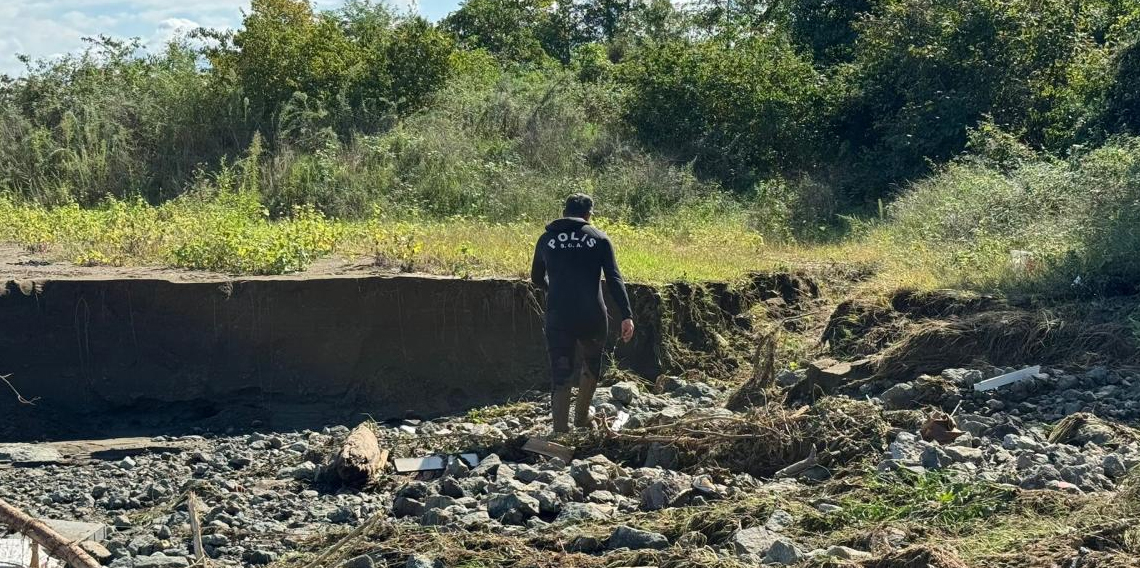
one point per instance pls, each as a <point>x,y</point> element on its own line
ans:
<point>627,330</point>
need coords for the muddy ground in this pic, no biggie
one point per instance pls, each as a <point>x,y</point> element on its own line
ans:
<point>834,429</point>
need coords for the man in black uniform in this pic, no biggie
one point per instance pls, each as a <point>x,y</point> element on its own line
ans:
<point>569,259</point>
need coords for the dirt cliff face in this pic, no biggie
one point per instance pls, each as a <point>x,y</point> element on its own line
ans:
<point>381,345</point>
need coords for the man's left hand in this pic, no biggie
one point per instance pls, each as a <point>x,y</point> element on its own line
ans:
<point>627,330</point>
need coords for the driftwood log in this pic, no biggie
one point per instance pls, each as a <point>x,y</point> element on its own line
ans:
<point>52,542</point>
<point>360,459</point>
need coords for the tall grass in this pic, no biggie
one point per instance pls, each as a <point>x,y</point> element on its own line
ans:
<point>1021,222</point>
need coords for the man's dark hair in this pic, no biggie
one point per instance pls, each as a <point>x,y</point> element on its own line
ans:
<point>578,205</point>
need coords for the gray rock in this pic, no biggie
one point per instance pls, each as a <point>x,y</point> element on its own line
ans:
<point>513,508</point>
<point>933,457</point>
<point>845,553</point>
<point>407,507</point>
<point>259,557</point>
<point>964,454</point>
<point>827,508</point>
<point>548,502</point>
<point>488,467</point>
<point>901,396</point>
<point>160,561</point>
<point>779,520</point>
<point>963,377</point>
<point>905,447</point>
<point>526,473</point>
<point>755,541</point>
<point>30,454</point>
<point>662,456</point>
<point>456,467</point>
<point>625,392</point>
<point>660,494</point>
<point>1114,467</point>
<point>363,561</point>
<point>439,502</point>
<point>783,552</point>
<point>144,545</point>
<point>577,512</point>
<point>441,517</point>
<point>635,539</point>
<point>303,471</point>
<point>590,476</point>
<point>419,561</point>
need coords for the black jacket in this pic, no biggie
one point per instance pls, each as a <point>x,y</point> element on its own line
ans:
<point>569,260</point>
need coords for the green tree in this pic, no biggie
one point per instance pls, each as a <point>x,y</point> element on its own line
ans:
<point>739,108</point>
<point>506,28</point>
<point>285,48</point>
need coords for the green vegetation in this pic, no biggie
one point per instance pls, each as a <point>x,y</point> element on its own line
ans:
<point>931,138</point>
<point>935,499</point>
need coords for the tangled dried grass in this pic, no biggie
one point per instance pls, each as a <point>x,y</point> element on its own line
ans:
<point>1007,337</point>
<point>764,440</point>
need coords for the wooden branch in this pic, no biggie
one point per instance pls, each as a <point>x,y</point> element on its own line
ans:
<point>19,397</point>
<point>54,543</point>
<point>196,528</point>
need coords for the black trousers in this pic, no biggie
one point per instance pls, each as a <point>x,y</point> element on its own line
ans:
<point>570,341</point>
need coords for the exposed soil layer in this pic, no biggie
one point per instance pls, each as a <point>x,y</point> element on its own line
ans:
<point>262,350</point>
<point>912,333</point>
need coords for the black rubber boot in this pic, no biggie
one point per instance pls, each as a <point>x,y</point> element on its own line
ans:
<point>587,384</point>
<point>560,408</point>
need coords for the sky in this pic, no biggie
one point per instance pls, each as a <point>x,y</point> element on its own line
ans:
<point>50,28</point>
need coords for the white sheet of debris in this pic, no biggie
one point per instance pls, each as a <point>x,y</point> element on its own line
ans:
<point>16,552</point>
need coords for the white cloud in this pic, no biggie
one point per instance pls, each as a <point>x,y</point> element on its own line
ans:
<point>50,28</point>
<point>169,30</point>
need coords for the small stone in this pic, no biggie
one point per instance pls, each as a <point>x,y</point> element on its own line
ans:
<point>934,457</point>
<point>126,463</point>
<point>407,507</point>
<point>363,561</point>
<point>578,512</point>
<point>779,520</point>
<point>160,561</point>
<point>488,467</point>
<point>419,561</point>
<point>662,456</point>
<point>828,508</point>
<point>755,541</point>
<point>963,454</point>
<point>259,557</point>
<point>783,552</point>
<point>1114,467</point>
<point>845,553</point>
<point>899,397</point>
<point>456,467</point>
<point>660,495</point>
<point>635,539</point>
<point>905,447</point>
<point>513,508</point>
<point>624,392</point>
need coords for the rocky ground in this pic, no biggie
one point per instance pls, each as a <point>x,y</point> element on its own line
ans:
<point>651,495</point>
